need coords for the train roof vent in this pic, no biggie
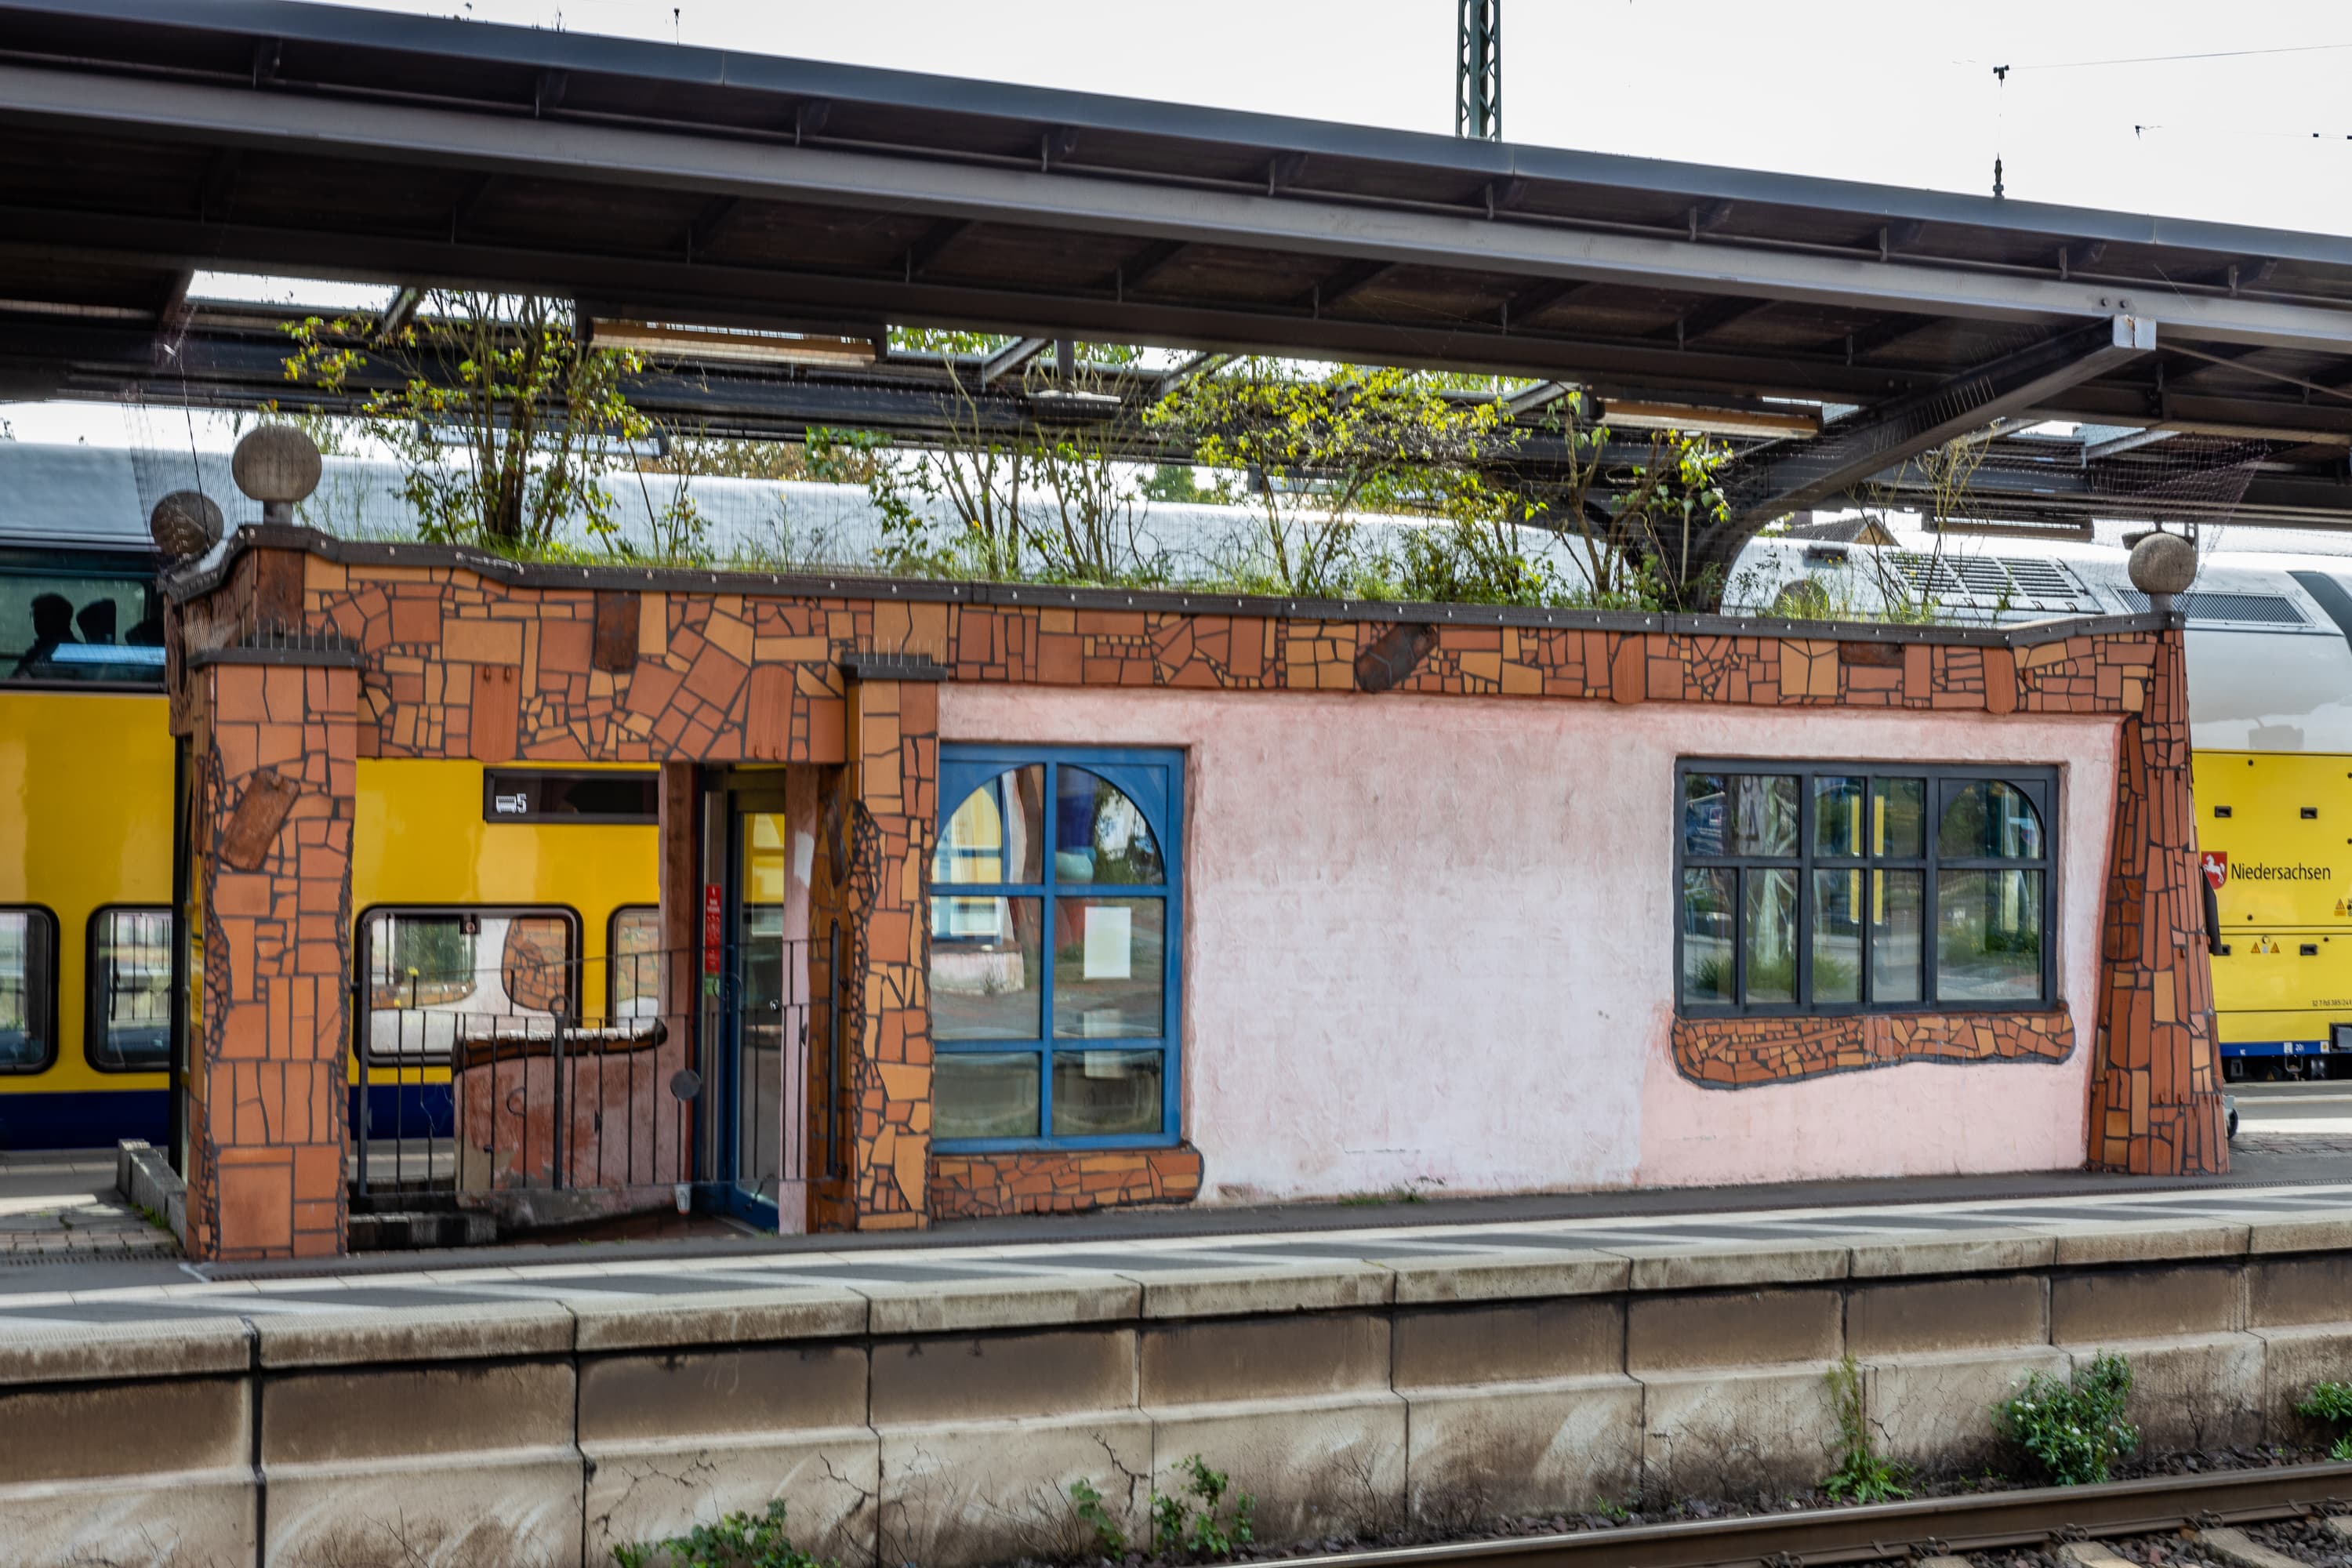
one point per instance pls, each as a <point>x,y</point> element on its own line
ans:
<point>1985,582</point>
<point>2237,609</point>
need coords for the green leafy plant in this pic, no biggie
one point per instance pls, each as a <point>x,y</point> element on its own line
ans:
<point>2073,1431</point>
<point>1863,1475</point>
<point>738,1540</point>
<point>1196,1522</point>
<point>1110,1540</point>
<point>505,422</point>
<point>2332,1402</point>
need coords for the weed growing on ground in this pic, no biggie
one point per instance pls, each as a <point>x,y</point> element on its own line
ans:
<point>1863,1475</point>
<point>738,1540</point>
<point>1203,1526</point>
<point>2332,1402</point>
<point>2072,1432</point>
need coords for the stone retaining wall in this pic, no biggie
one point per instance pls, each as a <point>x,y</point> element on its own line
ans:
<point>943,1423</point>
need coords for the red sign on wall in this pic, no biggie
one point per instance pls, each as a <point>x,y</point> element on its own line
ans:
<point>711,905</point>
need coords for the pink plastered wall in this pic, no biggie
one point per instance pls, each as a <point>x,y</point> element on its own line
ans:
<point>1431,941</point>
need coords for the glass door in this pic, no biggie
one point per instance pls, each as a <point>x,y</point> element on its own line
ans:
<point>756,1027</point>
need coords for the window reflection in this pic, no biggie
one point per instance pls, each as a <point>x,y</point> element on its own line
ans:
<point>1838,913</point>
<point>1709,967</point>
<point>131,991</point>
<point>435,979</point>
<point>1768,935</point>
<point>24,1004</point>
<point>1099,835</point>
<point>1989,936</point>
<point>1897,935</point>
<point>636,964</point>
<point>988,981</point>
<point>1098,1093</point>
<point>1110,956</point>
<point>1836,887</point>
<point>1899,814</point>
<point>1990,820</point>
<point>1050,880</point>
<point>984,1095</point>
<point>1837,816</point>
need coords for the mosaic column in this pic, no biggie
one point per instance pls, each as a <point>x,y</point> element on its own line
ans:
<point>2156,1108</point>
<point>892,806</point>
<point>270,845</point>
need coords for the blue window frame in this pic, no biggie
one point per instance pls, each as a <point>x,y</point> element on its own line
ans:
<point>1057,910</point>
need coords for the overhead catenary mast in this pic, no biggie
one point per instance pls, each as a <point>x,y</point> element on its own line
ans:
<point>1478,70</point>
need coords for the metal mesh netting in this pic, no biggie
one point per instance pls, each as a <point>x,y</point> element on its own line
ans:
<point>2180,482</point>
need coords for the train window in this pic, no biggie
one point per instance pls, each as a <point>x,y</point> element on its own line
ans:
<point>541,794</point>
<point>28,989</point>
<point>1907,888</point>
<point>438,977</point>
<point>635,989</point>
<point>81,627</point>
<point>130,1019</point>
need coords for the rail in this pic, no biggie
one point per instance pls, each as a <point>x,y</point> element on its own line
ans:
<point>1881,1533</point>
<point>485,1061</point>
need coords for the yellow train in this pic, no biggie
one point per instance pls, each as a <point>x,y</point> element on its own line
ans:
<point>457,868</point>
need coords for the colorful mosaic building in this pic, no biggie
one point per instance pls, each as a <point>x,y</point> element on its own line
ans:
<point>980,899</point>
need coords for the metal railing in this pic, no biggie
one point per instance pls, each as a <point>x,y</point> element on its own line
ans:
<point>463,1092</point>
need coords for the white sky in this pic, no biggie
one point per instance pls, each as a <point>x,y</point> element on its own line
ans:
<point>1894,90</point>
<point>1897,92</point>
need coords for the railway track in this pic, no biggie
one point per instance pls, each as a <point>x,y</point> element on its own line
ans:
<point>1882,1532</point>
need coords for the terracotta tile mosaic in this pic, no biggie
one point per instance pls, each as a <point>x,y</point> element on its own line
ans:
<point>965,1186</point>
<point>2155,1106</point>
<point>1727,1053</point>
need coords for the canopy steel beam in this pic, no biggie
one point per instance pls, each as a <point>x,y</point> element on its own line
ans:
<point>1012,357</point>
<point>1300,223</point>
<point>1781,479</point>
<point>722,293</point>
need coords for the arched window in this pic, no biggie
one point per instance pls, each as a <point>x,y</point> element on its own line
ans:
<point>1055,909</point>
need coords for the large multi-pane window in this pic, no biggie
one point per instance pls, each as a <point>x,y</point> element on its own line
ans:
<point>130,1027</point>
<point>29,977</point>
<point>1850,887</point>
<point>1055,916</point>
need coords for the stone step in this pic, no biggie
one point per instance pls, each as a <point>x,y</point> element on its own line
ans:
<point>409,1230</point>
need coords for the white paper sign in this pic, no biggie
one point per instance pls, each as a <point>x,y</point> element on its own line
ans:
<point>1108,929</point>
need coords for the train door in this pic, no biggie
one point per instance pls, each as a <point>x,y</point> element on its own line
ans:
<point>761,1018</point>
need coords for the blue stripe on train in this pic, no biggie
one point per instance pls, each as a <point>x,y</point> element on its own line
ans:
<point>98,1119</point>
<point>2275,1048</point>
<point>405,1110</point>
<point>84,1119</point>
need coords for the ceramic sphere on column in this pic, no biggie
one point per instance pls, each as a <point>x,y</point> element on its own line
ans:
<point>278,465</point>
<point>2162,565</point>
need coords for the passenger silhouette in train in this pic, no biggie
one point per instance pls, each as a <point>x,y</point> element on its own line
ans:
<point>149,631</point>
<point>96,621</point>
<point>52,628</point>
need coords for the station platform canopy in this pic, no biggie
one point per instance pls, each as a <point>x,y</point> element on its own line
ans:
<point>688,187</point>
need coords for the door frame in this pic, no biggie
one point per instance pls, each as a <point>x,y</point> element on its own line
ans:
<point>736,798</point>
